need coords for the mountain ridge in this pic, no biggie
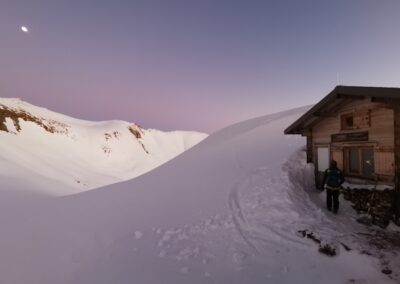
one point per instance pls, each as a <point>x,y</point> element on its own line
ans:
<point>81,154</point>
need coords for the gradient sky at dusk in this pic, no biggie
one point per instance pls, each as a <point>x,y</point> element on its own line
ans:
<point>195,65</point>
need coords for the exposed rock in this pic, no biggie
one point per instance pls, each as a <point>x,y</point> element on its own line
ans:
<point>327,250</point>
<point>310,235</point>
<point>386,271</point>
<point>136,131</point>
<point>16,114</point>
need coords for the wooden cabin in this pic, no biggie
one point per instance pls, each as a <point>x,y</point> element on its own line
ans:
<point>359,128</point>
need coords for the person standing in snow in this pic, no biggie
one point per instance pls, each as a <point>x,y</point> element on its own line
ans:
<point>333,179</point>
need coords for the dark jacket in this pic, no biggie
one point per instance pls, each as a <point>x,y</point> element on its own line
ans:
<point>333,173</point>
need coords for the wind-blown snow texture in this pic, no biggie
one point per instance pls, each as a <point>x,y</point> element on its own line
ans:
<point>62,155</point>
<point>226,211</point>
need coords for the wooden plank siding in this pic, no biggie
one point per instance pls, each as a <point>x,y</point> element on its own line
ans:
<point>380,130</point>
<point>337,155</point>
<point>378,120</point>
<point>322,131</point>
<point>382,127</point>
<point>384,163</point>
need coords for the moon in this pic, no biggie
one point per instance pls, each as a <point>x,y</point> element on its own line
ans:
<point>24,29</point>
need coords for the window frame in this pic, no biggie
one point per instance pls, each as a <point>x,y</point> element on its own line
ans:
<point>361,162</point>
<point>343,121</point>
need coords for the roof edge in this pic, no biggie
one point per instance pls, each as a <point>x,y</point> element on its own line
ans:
<point>343,91</point>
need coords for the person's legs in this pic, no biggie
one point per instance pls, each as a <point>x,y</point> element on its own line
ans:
<point>335,195</point>
<point>329,199</point>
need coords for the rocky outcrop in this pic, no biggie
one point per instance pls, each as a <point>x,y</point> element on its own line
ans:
<point>15,115</point>
<point>137,131</point>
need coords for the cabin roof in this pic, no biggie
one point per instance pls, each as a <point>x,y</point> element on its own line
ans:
<point>339,95</point>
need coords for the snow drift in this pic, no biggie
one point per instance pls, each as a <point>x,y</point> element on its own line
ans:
<point>61,155</point>
<point>226,211</point>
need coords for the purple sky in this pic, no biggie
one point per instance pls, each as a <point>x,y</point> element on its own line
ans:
<point>195,65</point>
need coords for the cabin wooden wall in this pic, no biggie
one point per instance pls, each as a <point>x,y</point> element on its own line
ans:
<point>380,131</point>
<point>337,155</point>
<point>324,129</point>
<point>384,163</point>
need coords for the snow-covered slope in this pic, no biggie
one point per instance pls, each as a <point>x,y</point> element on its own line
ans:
<point>226,211</point>
<point>45,147</point>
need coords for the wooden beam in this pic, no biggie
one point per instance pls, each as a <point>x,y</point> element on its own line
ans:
<point>390,102</point>
<point>324,114</point>
<point>353,97</point>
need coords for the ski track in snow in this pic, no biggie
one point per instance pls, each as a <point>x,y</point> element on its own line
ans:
<point>258,228</point>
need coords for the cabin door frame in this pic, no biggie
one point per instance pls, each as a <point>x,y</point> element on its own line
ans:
<point>323,157</point>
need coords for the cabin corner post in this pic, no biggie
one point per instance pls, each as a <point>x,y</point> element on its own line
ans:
<point>396,202</point>
<point>309,145</point>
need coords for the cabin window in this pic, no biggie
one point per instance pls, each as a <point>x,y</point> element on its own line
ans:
<point>360,161</point>
<point>355,120</point>
<point>347,121</point>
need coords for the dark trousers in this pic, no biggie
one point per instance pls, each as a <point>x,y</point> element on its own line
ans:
<point>332,195</point>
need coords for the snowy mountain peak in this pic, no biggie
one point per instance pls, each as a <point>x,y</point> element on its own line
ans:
<point>79,154</point>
